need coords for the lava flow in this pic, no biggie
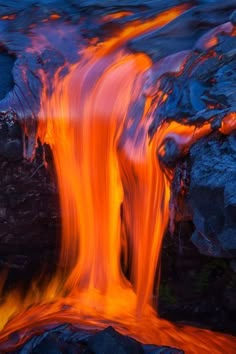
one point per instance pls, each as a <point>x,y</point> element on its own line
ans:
<point>114,198</point>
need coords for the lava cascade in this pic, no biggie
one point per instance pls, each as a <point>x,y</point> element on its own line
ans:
<point>114,197</point>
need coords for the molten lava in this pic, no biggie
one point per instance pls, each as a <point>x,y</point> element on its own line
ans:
<point>114,198</point>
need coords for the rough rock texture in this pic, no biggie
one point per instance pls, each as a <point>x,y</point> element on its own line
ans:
<point>212,195</point>
<point>18,27</point>
<point>67,339</point>
<point>205,90</point>
<point>6,79</point>
<point>110,341</point>
<point>204,179</point>
<point>186,30</point>
<point>11,146</point>
<point>29,219</point>
<point>196,288</point>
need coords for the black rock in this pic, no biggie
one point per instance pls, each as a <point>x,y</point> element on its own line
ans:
<point>109,341</point>
<point>67,339</point>
<point>233,17</point>
<point>49,345</point>
<point>170,153</point>
<point>184,31</point>
<point>54,344</point>
<point>6,78</point>
<point>13,150</point>
<point>212,195</point>
<point>152,349</point>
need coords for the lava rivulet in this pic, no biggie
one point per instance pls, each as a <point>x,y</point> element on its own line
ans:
<point>114,197</point>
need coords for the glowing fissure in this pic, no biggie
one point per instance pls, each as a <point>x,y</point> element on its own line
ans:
<point>114,196</point>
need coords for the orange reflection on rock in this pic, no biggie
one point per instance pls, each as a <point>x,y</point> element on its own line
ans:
<point>114,200</point>
<point>116,15</point>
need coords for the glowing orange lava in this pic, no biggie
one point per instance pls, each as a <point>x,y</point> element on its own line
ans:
<point>116,15</point>
<point>114,201</point>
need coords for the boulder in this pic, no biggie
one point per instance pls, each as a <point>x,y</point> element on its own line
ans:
<point>212,195</point>
<point>68,339</point>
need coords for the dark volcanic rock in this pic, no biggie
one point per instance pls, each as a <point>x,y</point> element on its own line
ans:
<point>170,154</point>
<point>233,18</point>
<point>13,150</point>
<point>212,195</point>
<point>51,345</point>
<point>11,146</point>
<point>205,90</point>
<point>182,33</point>
<point>6,78</point>
<point>29,216</point>
<point>55,345</point>
<point>68,339</point>
<point>152,349</point>
<point>19,25</point>
<point>208,300</point>
<point>110,341</point>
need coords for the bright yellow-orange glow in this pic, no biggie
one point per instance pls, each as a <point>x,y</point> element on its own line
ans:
<point>54,17</point>
<point>228,124</point>
<point>116,15</point>
<point>212,42</point>
<point>8,17</point>
<point>148,328</point>
<point>114,201</point>
<point>138,28</point>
